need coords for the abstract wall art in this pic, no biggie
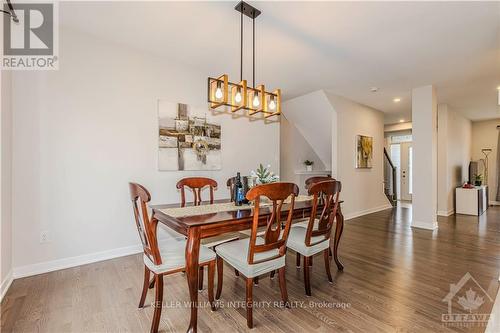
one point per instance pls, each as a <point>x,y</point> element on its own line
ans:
<point>364,152</point>
<point>187,140</point>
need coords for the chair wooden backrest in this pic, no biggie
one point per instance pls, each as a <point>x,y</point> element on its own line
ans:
<point>146,227</point>
<point>313,180</point>
<point>274,237</point>
<point>328,193</point>
<point>232,181</point>
<point>230,184</point>
<point>196,184</point>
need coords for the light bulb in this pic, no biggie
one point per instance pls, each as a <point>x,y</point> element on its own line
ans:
<point>256,101</point>
<point>218,93</point>
<point>272,104</point>
<point>237,97</point>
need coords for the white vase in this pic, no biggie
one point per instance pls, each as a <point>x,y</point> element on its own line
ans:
<point>309,168</point>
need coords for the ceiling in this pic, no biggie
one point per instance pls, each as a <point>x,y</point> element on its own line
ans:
<point>343,47</point>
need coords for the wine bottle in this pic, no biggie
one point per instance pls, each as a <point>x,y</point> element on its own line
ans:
<point>238,191</point>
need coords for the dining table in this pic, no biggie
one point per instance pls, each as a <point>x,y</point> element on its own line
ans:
<point>223,216</point>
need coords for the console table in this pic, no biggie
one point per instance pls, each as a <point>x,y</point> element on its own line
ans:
<point>471,201</point>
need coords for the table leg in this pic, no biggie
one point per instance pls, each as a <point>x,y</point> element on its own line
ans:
<point>338,233</point>
<point>192,268</point>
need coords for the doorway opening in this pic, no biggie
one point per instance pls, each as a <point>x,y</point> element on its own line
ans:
<point>402,157</point>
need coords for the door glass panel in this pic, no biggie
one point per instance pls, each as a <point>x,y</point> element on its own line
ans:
<point>410,162</point>
<point>396,160</point>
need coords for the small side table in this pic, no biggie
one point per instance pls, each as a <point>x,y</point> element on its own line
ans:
<point>471,201</point>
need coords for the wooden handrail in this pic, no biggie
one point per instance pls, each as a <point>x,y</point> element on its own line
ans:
<point>389,159</point>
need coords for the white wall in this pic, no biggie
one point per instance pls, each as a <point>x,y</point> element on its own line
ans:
<point>425,164</point>
<point>454,155</point>
<point>294,150</point>
<point>398,127</point>
<point>485,135</point>
<point>362,189</point>
<point>87,130</point>
<point>311,115</point>
<point>6,184</point>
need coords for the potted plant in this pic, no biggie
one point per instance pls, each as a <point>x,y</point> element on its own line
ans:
<point>478,180</point>
<point>309,165</point>
<point>263,175</point>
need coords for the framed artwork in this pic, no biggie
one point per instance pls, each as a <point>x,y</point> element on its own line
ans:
<point>364,152</point>
<point>187,140</point>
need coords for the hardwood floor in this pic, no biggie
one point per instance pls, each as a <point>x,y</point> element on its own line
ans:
<point>395,279</point>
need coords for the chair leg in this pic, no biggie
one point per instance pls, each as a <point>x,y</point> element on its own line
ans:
<point>326,254</point>
<point>200,278</point>
<point>282,281</point>
<point>256,280</point>
<point>220,273</point>
<point>236,272</point>
<point>272,274</point>
<point>158,303</point>
<point>307,282</point>
<point>297,260</point>
<point>152,283</point>
<point>144,287</point>
<point>249,303</point>
<point>211,275</point>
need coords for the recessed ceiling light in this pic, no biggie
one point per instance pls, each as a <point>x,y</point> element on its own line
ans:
<point>374,89</point>
<point>396,100</point>
<point>401,120</point>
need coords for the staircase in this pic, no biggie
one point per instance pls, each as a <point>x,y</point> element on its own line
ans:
<point>390,182</point>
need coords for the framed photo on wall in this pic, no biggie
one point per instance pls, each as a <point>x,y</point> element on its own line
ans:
<point>364,152</point>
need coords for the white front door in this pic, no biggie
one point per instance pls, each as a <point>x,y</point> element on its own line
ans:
<point>406,171</point>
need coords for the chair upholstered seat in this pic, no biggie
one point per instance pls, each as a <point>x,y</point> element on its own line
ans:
<point>296,242</point>
<point>173,256</point>
<point>236,254</point>
<point>217,240</point>
<point>304,222</point>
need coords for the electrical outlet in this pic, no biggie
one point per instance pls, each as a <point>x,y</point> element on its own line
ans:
<point>45,237</point>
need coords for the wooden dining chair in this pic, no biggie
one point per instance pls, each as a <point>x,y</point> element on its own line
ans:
<point>256,256</point>
<point>304,222</point>
<point>316,179</point>
<point>196,185</point>
<point>162,258</point>
<point>245,233</point>
<point>316,237</point>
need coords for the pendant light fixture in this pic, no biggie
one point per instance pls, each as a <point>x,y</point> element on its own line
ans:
<point>240,96</point>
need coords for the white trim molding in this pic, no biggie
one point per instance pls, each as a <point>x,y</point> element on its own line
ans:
<point>424,225</point>
<point>367,211</point>
<point>446,214</point>
<point>55,265</point>
<point>4,287</point>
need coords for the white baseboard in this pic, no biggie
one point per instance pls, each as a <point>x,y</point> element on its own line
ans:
<point>367,211</point>
<point>6,284</point>
<point>55,265</point>
<point>444,213</point>
<point>424,225</point>
<point>494,203</point>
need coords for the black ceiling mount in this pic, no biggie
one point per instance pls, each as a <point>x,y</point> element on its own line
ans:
<point>10,11</point>
<point>247,9</point>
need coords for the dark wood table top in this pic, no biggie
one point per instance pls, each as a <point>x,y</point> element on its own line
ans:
<point>245,212</point>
